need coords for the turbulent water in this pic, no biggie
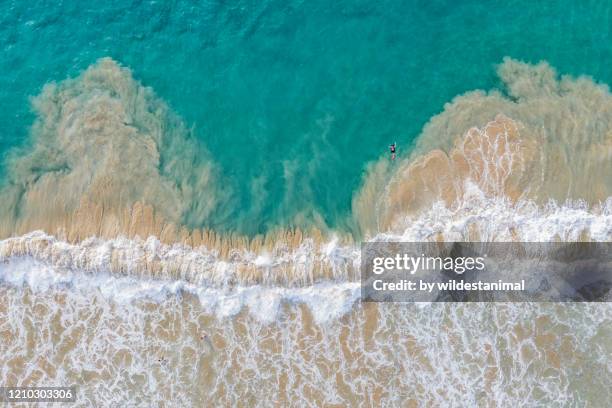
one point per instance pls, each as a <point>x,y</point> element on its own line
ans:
<point>180,225</point>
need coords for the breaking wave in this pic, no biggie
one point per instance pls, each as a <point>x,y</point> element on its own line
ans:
<point>323,276</point>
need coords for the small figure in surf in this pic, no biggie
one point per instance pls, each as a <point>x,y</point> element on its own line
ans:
<point>393,148</point>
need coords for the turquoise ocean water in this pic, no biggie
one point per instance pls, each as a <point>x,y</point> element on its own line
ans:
<point>293,99</point>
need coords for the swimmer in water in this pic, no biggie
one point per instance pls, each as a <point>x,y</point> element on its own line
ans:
<point>393,148</point>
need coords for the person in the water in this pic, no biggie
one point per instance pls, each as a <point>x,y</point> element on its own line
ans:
<point>392,148</point>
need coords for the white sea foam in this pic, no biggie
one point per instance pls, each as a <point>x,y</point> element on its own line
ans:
<point>326,300</point>
<point>500,220</point>
<point>118,267</point>
<point>200,266</point>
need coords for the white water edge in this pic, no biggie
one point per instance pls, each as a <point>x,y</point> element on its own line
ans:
<point>43,262</point>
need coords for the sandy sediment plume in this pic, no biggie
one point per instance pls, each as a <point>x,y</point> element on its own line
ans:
<point>108,158</point>
<point>105,139</point>
<point>545,138</point>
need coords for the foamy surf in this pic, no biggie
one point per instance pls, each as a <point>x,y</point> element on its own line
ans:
<point>124,270</point>
<point>326,300</point>
<point>477,217</point>
<point>149,258</point>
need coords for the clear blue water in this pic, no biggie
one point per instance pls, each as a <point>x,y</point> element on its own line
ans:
<point>294,98</point>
